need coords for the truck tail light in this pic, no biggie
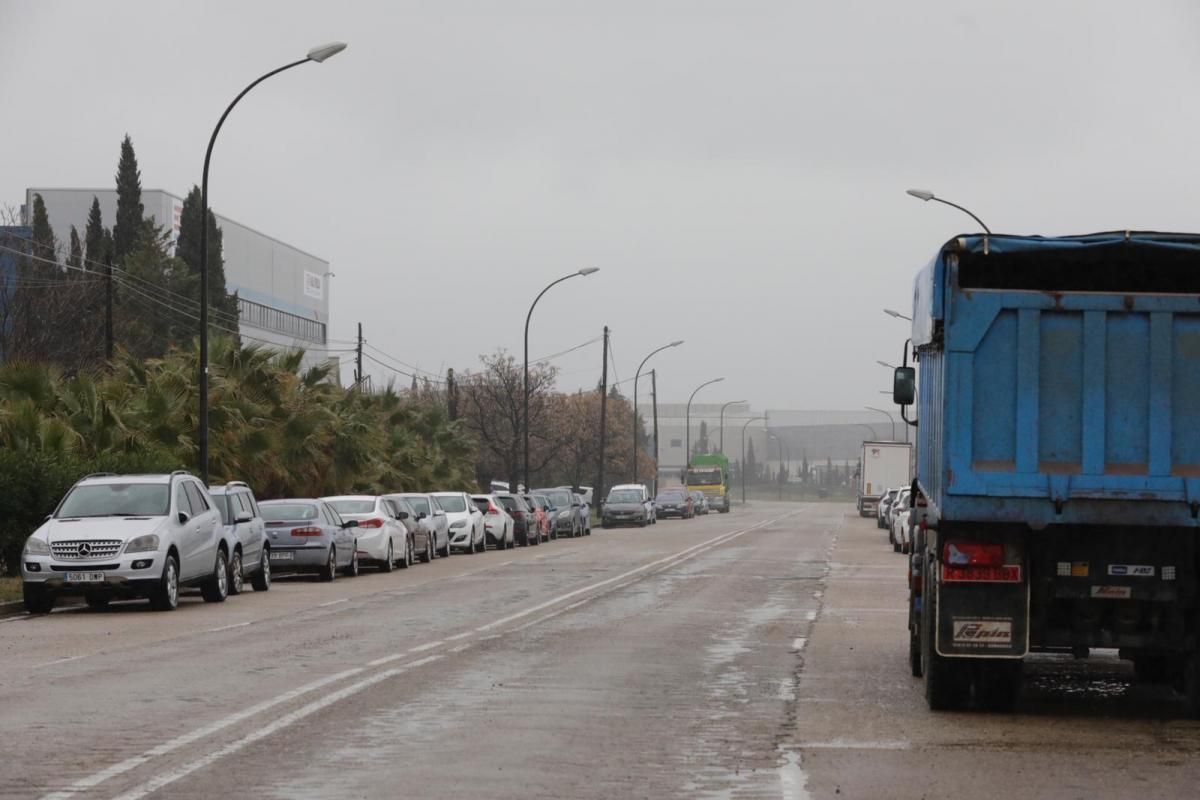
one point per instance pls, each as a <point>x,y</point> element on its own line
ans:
<point>374,522</point>
<point>310,531</point>
<point>977,562</point>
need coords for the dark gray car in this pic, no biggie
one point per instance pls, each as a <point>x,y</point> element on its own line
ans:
<point>624,507</point>
<point>307,535</point>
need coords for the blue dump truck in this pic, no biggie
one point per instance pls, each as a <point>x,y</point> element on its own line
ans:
<point>1055,391</point>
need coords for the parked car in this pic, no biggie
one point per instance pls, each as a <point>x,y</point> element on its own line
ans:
<point>381,538</point>
<point>419,540</point>
<point>699,502</point>
<point>627,505</point>
<point>674,502</point>
<point>565,516</point>
<point>583,491</point>
<point>881,509</point>
<point>541,514</point>
<point>465,520</point>
<point>497,524</point>
<point>245,536</point>
<point>585,514</point>
<point>127,536</point>
<point>307,535</point>
<point>898,527</point>
<point>522,516</point>
<point>893,508</point>
<point>433,518</point>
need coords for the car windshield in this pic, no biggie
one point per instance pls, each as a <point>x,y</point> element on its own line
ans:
<point>481,503</point>
<point>452,503</point>
<point>559,498</point>
<point>419,504</point>
<point>278,512</point>
<point>625,496</point>
<point>669,497</point>
<point>353,506</point>
<point>117,500</point>
<point>704,477</point>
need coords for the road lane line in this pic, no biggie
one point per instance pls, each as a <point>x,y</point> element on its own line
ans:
<point>228,627</point>
<point>332,602</point>
<point>287,720</point>
<point>122,767</point>
<point>427,646</point>
<point>57,661</point>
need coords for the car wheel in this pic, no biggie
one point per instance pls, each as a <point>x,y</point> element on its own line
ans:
<point>237,581</point>
<point>351,570</point>
<point>389,561</point>
<point>97,600</point>
<point>427,556</point>
<point>406,559</point>
<point>445,551</point>
<point>261,580</point>
<point>216,589</point>
<point>166,596</point>
<point>329,571</point>
<point>37,599</point>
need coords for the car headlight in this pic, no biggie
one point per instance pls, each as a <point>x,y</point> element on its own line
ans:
<point>462,523</point>
<point>564,514</point>
<point>36,547</point>
<point>143,544</point>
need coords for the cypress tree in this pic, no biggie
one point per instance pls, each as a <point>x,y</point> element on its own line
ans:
<point>44,244</point>
<point>75,259</point>
<point>130,211</point>
<point>93,235</point>
<point>188,247</point>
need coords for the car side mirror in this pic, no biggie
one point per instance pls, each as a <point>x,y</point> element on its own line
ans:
<point>243,516</point>
<point>439,513</point>
<point>421,515</point>
<point>350,523</point>
<point>403,515</point>
<point>184,517</point>
<point>904,386</point>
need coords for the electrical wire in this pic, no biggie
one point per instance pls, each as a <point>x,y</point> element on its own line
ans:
<point>579,346</point>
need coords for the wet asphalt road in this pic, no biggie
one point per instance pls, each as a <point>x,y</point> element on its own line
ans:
<point>755,654</point>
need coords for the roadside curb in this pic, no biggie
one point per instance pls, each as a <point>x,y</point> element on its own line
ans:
<point>12,609</point>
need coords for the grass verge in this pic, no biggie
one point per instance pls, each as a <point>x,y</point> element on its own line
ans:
<point>10,589</point>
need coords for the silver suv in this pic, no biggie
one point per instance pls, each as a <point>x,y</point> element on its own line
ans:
<point>128,536</point>
<point>245,536</point>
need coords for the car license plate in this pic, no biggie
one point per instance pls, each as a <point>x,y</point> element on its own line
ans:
<point>85,577</point>
<point>282,556</point>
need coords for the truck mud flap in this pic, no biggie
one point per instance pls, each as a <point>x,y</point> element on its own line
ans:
<point>983,620</point>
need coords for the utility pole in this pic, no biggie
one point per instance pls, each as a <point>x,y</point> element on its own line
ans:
<point>654,396</point>
<point>358,369</point>
<point>108,308</point>
<point>599,492</point>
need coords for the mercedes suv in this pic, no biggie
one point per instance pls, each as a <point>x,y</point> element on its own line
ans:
<point>116,536</point>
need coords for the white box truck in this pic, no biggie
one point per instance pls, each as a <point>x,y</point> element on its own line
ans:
<point>885,465</point>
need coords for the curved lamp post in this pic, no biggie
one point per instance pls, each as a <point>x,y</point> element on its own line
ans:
<point>316,55</point>
<point>743,469</point>
<point>725,406</point>
<point>687,446</point>
<point>886,414</point>
<point>525,413</point>
<point>926,195</point>
<point>637,375</point>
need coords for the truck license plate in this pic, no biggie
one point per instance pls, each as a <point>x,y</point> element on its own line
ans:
<point>85,577</point>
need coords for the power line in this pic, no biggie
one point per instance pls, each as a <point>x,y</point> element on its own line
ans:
<point>580,346</point>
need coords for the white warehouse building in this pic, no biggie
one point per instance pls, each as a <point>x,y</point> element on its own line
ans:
<point>283,292</point>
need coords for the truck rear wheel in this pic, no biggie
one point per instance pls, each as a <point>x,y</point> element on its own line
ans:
<point>947,681</point>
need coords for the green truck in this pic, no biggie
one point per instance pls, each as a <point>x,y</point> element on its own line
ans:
<point>710,474</point>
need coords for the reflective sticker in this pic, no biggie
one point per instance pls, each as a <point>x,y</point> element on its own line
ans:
<point>990,631</point>
<point>1112,592</point>
<point>1079,569</point>
<point>1131,570</point>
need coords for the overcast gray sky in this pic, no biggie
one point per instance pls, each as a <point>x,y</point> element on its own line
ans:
<point>736,169</point>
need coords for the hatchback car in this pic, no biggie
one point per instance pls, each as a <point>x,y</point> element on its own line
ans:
<point>674,503</point>
<point>881,509</point>
<point>565,516</point>
<point>381,538</point>
<point>306,535</point>
<point>699,502</point>
<point>524,524</point>
<point>419,542</point>
<point>245,536</point>
<point>432,517</point>
<point>466,521</point>
<point>541,520</point>
<point>497,524</point>
<point>115,536</point>
<point>625,507</point>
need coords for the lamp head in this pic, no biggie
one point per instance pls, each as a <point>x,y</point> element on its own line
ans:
<point>588,270</point>
<point>676,343</point>
<point>921,194</point>
<point>319,54</point>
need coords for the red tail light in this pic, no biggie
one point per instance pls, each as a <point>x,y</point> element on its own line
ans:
<point>493,510</point>
<point>974,554</point>
<point>311,531</point>
<point>370,523</point>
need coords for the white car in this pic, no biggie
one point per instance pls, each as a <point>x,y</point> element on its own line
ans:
<point>118,536</point>
<point>466,521</point>
<point>498,526</point>
<point>381,538</point>
<point>432,518</point>
<point>898,527</point>
<point>245,536</point>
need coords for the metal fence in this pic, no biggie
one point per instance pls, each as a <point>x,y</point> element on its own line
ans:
<point>283,322</point>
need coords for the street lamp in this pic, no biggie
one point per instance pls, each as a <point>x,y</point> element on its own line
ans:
<point>727,405</point>
<point>893,313</point>
<point>687,438</point>
<point>316,55</point>
<point>781,475</point>
<point>743,469</point>
<point>525,422</point>
<point>886,414</point>
<point>884,364</point>
<point>637,375</point>
<point>926,195</point>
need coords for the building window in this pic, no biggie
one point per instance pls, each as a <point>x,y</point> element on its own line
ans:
<point>284,322</point>
<point>677,443</point>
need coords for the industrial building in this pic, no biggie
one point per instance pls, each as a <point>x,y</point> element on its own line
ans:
<point>283,292</point>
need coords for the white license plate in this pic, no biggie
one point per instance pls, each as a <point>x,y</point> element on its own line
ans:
<point>85,577</point>
<point>282,556</point>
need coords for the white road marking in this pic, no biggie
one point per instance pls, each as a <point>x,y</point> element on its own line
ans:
<point>850,744</point>
<point>798,645</point>
<point>57,661</point>
<point>169,777</point>
<point>811,616</point>
<point>332,602</point>
<point>228,627</point>
<point>427,646</point>
<point>793,782</point>
<point>386,659</point>
<point>458,636</point>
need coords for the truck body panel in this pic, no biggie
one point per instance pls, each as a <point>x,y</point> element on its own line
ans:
<point>885,465</point>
